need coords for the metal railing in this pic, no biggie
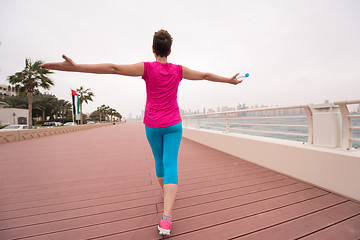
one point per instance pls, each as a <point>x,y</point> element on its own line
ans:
<point>226,121</point>
<point>240,121</point>
<point>347,126</point>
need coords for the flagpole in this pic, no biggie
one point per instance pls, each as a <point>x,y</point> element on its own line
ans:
<point>72,112</point>
<point>73,118</point>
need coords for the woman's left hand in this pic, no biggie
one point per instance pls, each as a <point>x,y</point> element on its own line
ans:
<point>234,80</point>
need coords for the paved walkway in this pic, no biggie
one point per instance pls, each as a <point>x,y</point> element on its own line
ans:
<point>100,184</point>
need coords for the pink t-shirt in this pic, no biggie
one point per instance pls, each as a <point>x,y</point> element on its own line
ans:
<point>162,81</point>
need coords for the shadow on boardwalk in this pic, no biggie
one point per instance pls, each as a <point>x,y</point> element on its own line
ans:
<point>100,184</point>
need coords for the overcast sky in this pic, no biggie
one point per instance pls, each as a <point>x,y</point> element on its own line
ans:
<point>297,52</point>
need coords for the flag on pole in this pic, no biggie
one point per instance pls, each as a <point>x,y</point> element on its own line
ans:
<point>76,104</point>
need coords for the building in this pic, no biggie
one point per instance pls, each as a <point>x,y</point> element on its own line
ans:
<point>7,90</point>
<point>227,109</point>
<point>13,116</point>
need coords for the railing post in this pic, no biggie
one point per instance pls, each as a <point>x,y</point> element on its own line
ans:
<point>186,123</point>
<point>326,125</point>
<point>198,121</point>
<point>346,127</point>
<point>310,124</point>
<point>227,128</point>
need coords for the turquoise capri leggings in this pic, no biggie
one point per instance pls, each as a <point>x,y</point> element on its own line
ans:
<point>165,143</point>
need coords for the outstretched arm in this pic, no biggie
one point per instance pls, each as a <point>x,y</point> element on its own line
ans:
<point>69,65</point>
<point>196,75</point>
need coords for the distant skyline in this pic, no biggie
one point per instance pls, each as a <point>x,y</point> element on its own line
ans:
<point>297,52</point>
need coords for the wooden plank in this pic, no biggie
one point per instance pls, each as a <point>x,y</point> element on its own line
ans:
<point>45,176</point>
<point>252,217</point>
<point>69,210</point>
<point>218,182</point>
<point>283,193</point>
<point>311,223</point>
<point>196,190</point>
<point>112,228</point>
<point>53,196</point>
<point>222,194</point>
<point>48,227</point>
<point>117,195</point>
<point>148,233</point>
<point>218,171</point>
<point>66,210</point>
<point>34,216</point>
<point>187,226</point>
<point>68,184</point>
<point>215,175</point>
<point>93,203</point>
<point>137,223</point>
<point>348,229</point>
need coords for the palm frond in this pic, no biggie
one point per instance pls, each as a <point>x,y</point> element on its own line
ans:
<point>32,77</point>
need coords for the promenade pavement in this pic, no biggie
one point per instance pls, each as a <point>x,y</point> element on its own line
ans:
<point>100,183</point>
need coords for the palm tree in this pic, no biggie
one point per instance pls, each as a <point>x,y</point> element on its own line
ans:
<point>117,114</point>
<point>85,95</point>
<point>29,80</point>
<point>106,112</point>
<point>113,113</point>
<point>64,108</point>
<point>45,103</point>
<point>17,102</point>
<point>101,109</point>
<point>110,112</point>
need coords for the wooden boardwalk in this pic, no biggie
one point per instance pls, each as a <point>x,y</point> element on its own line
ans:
<point>100,184</point>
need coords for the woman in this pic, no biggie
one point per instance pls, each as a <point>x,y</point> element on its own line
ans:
<point>162,117</point>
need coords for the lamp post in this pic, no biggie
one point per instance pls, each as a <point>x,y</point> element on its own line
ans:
<point>14,115</point>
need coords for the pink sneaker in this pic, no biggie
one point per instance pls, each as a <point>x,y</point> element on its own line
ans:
<point>165,226</point>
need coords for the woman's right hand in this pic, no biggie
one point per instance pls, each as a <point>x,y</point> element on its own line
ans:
<point>67,65</point>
